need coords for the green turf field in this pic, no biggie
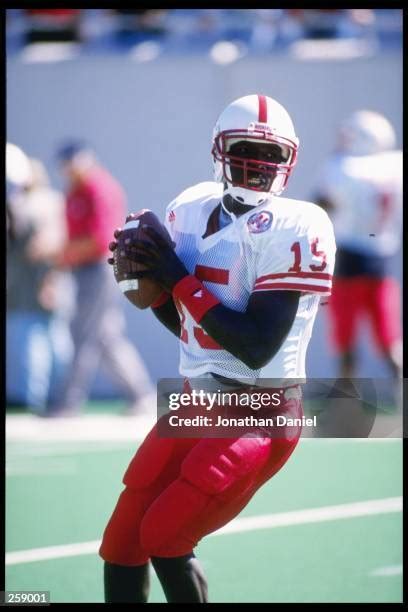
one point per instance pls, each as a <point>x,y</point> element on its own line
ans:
<point>314,544</point>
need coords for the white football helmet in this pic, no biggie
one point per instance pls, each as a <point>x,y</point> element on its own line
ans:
<point>365,133</point>
<point>18,166</point>
<point>257,119</point>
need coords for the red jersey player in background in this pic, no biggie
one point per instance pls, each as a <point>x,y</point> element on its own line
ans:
<point>94,201</point>
<point>241,291</point>
<point>360,186</point>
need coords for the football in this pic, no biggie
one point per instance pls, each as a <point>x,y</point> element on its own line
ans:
<point>140,292</point>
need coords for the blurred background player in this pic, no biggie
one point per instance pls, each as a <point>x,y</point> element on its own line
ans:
<point>38,295</point>
<point>360,186</point>
<point>241,291</point>
<point>95,203</point>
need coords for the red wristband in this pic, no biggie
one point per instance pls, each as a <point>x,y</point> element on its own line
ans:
<point>197,299</point>
<point>162,299</point>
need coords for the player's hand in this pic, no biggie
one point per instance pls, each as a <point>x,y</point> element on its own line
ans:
<point>159,258</point>
<point>120,264</point>
<point>116,234</point>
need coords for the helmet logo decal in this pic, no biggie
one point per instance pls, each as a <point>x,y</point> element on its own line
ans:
<point>261,127</point>
<point>260,222</point>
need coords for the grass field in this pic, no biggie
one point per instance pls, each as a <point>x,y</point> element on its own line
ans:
<point>326,528</point>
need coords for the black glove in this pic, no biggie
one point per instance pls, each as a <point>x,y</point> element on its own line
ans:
<point>161,262</point>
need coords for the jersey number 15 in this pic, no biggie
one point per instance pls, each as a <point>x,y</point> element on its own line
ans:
<point>295,248</point>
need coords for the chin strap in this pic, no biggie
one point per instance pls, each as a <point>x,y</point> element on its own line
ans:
<point>250,198</point>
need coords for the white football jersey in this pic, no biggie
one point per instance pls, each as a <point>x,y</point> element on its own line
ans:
<point>283,244</point>
<point>366,192</point>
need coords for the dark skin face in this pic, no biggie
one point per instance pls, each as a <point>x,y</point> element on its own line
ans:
<point>260,151</point>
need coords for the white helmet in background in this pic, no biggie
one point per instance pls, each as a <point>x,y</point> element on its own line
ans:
<point>18,166</point>
<point>19,173</point>
<point>258,119</point>
<point>365,133</point>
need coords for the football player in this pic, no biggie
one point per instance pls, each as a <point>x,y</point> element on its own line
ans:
<point>360,186</point>
<point>241,291</point>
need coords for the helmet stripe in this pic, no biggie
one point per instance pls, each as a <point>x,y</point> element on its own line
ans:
<point>263,109</point>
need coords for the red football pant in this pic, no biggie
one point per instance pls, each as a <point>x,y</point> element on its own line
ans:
<point>179,490</point>
<point>377,298</point>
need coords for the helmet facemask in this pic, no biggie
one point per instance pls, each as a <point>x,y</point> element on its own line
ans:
<point>253,164</point>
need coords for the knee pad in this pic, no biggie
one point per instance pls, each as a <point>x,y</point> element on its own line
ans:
<point>121,539</point>
<point>169,524</point>
<point>214,465</point>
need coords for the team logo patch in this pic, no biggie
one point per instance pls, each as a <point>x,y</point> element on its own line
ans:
<point>260,222</point>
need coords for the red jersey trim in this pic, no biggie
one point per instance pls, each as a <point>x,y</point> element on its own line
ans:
<point>297,286</point>
<point>212,275</point>
<point>311,275</point>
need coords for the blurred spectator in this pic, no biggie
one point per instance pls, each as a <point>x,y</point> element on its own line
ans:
<point>334,23</point>
<point>52,25</point>
<point>194,29</point>
<point>360,186</point>
<point>38,341</point>
<point>266,33</point>
<point>236,24</point>
<point>319,23</point>
<point>137,25</point>
<point>184,30</point>
<point>95,205</point>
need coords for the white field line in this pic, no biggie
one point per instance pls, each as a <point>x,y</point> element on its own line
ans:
<point>268,521</point>
<point>396,438</point>
<point>388,570</point>
<point>314,515</point>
